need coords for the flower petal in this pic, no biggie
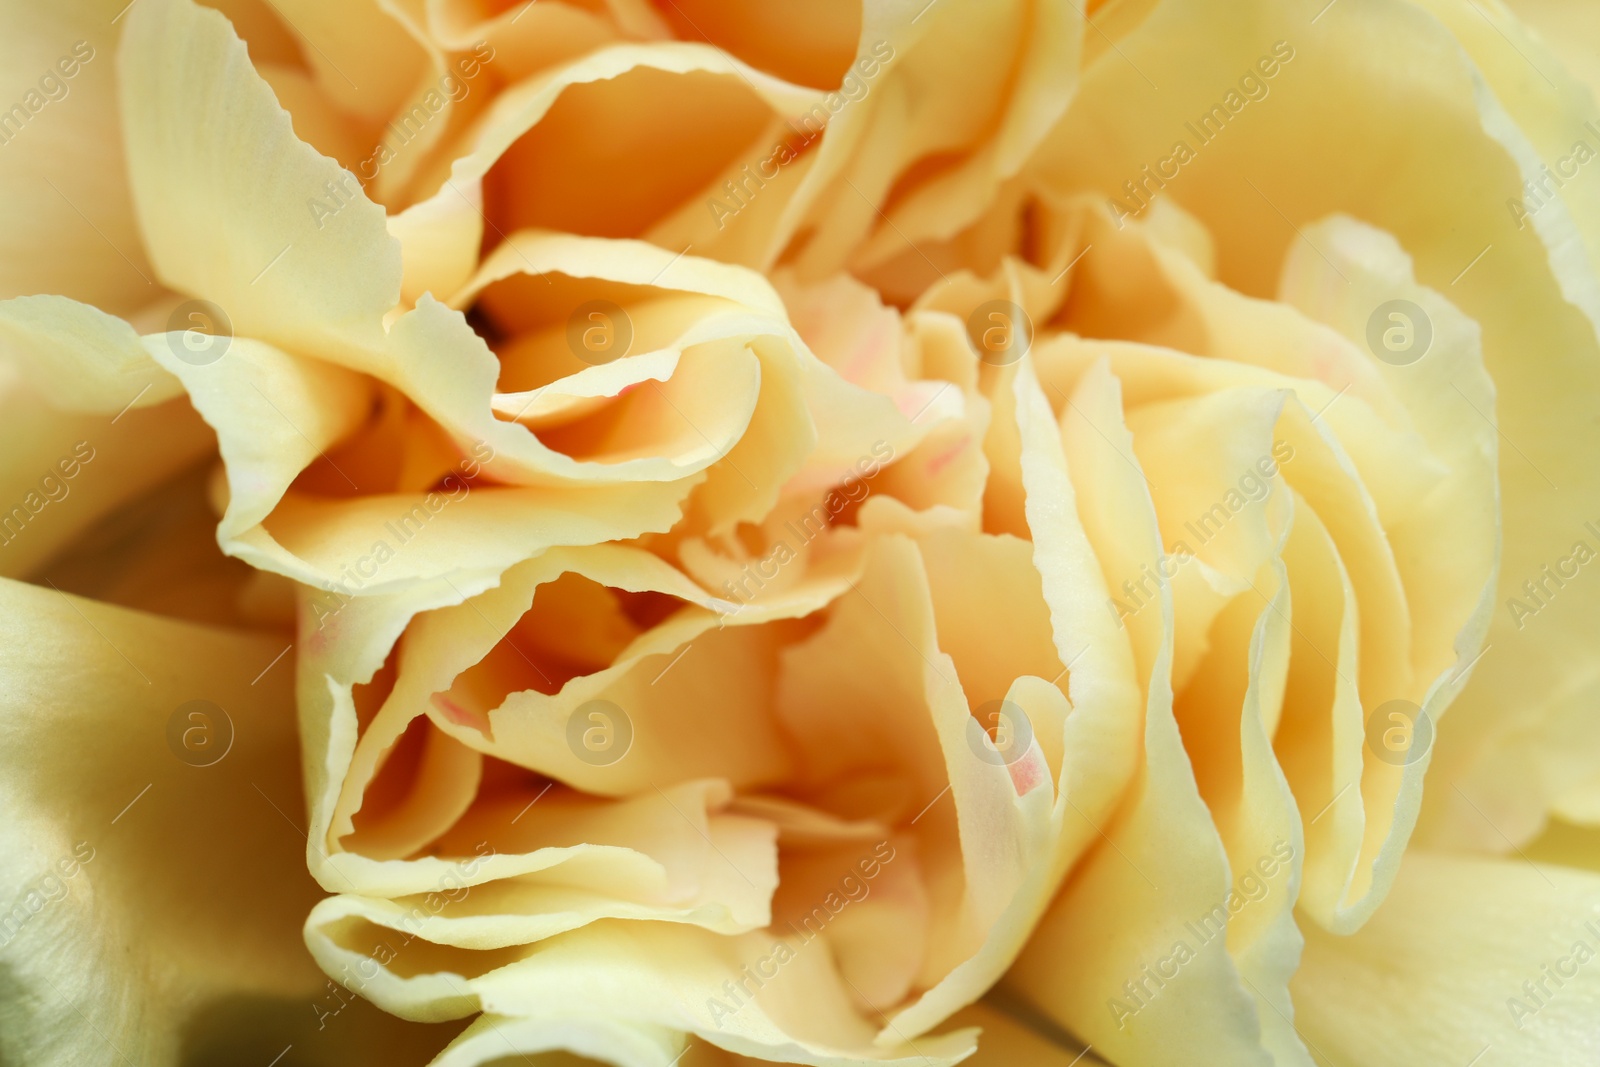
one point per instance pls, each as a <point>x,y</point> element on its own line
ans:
<point>1466,954</point>
<point>67,221</point>
<point>151,829</point>
<point>211,152</point>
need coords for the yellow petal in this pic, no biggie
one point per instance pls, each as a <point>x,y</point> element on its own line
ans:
<point>152,834</point>
<point>1467,954</point>
<point>648,96</point>
<point>90,422</point>
<point>360,54</point>
<point>1124,911</point>
<point>210,151</point>
<point>67,216</point>
<point>1304,152</point>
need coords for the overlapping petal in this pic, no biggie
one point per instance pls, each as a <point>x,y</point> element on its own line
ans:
<point>684,575</point>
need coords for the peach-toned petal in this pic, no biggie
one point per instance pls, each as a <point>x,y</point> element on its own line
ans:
<point>1467,953</point>
<point>67,221</point>
<point>152,840</point>
<point>1125,910</point>
<point>211,153</point>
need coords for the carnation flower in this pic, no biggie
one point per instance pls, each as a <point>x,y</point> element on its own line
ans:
<point>845,533</point>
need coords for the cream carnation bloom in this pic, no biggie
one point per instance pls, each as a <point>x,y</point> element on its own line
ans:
<point>886,532</point>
